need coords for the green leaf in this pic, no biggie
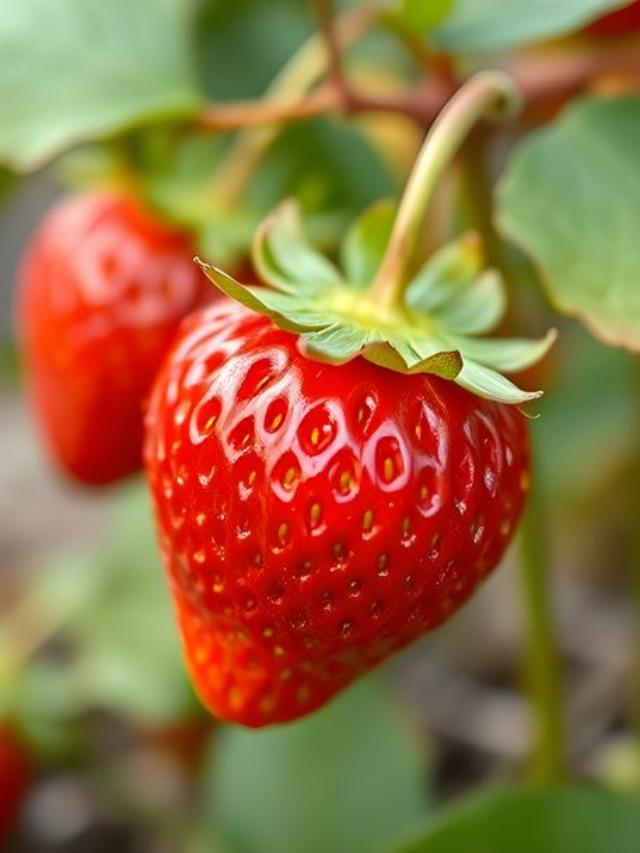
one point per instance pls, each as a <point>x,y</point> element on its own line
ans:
<point>477,309</point>
<point>292,256</point>
<point>349,778</point>
<point>571,198</point>
<point>536,820</point>
<point>508,356</point>
<point>449,271</point>
<point>366,240</point>
<point>486,25</point>
<point>486,382</point>
<point>418,16</point>
<point>79,69</point>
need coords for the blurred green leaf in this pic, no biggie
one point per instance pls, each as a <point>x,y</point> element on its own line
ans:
<point>571,199</point>
<point>128,655</point>
<point>349,778</point>
<point>419,17</point>
<point>78,69</point>
<point>485,25</point>
<point>556,820</point>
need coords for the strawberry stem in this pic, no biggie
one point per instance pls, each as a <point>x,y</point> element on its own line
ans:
<point>487,91</point>
<point>292,82</point>
<point>542,662</point>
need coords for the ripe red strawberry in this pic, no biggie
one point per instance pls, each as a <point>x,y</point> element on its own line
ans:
<point>15,771</point>
<point>621,22</point>
<point>316,518</point>
<point>102,289</point>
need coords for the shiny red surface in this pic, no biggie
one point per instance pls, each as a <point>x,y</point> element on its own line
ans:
<point>101,292</point>
<point>316,518</point>
<point>622,22</point>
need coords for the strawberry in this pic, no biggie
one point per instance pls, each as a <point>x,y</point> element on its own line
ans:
<point>620,22</point>
<point>336,469</point>
<point>15,772</point>
<point>102,289</point>
<point>315,518</point>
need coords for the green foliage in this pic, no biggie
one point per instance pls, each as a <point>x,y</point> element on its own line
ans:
<point>348,778</point>
<point>114,616</point>
<point>571,198</point>
<point>555,820</point>
<point>79,69</point>
<point>486,25</point>
<point>419,17</point>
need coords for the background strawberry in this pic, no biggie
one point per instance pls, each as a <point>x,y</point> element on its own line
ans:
<point>15,771</point>
<point>102,289</point>
<point>315,518</point>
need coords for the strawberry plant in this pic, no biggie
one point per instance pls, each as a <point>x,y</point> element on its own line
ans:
<point>348,293</point>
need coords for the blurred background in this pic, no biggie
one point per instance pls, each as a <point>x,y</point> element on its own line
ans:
<point>103,745</point>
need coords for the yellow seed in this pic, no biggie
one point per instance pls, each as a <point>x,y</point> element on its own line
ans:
<point>419,432</point>
<point>424,493</point>
<point>303,694</point>
<point>289,477</point>
<point>406,527</point>
<point>268,633</point>
<point>278,651</point>
<point>283,531</point>
<point>345,481</point>
<point>315,436</point>
<point>388,469</point>
<point>200,556</point>
<point>286,674</point>
<point>338,550</point>
<point>314,514</point>
<point>218,586</point>
<point>235,698</point>
<point>210,422</point>
<point>435,542</point>
<point>383,561</point>
<point>200,519</point>
<point>275,423</point>
<point>201,655</point>
<point>360,415</point>
<point>251,478</point>
<point>367,520</point>
<point>268,704</point>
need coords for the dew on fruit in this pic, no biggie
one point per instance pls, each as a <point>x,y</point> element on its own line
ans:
<point>477,530</point>
<point>508,455</point>
<point>181,412</point>
<point>317,430</point>
<point>409,583</point>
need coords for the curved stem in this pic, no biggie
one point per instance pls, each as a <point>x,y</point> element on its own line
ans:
<point>542,659</point>
<point>302,72</point>
<point>489,90</point>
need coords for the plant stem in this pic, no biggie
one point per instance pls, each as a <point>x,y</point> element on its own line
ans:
<point>293,81</point>
<point>489,90</point>
<point>542,660</point>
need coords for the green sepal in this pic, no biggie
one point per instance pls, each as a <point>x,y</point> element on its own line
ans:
<point>451,299</point>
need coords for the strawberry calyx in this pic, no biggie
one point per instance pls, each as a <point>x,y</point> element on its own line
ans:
<point>446,305</point>
<point>374,304</point>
